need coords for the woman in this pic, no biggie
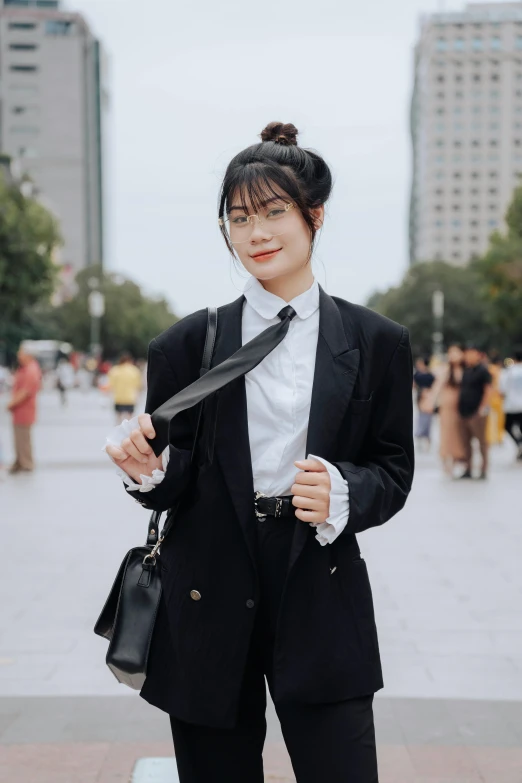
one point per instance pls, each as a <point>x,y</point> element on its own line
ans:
<point>322,426</point>
<point>446,398</point>
<point>496,418</point>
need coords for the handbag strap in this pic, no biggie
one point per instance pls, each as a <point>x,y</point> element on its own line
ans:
<point>208,351</point>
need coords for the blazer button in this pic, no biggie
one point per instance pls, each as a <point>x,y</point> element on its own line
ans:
<point>250,604</point>
<point>195,595</point>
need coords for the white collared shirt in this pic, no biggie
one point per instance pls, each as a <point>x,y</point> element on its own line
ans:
<point>278,392</point>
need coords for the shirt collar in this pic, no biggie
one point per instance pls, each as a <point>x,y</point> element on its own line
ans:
<point>268,305</point>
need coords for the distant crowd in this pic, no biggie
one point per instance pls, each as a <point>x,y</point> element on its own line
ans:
<point>477,397</point>
<point>124,381</point>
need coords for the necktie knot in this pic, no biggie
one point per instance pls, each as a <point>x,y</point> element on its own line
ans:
<point>287,312</point>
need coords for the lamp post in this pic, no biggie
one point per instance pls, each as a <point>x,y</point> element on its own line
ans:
<point>96,311</point>
<point>437,304</point>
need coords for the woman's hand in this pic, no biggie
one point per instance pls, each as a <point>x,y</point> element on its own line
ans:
<point>134,455</point>
<point>311,491</point>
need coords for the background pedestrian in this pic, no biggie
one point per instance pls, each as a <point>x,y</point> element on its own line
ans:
<point>474,397</point>
<point>22,405</point>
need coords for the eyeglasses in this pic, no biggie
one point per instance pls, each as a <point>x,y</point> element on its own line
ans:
<point>274,221</point>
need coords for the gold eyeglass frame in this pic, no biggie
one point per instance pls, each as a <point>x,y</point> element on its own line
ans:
<point>223,221</point>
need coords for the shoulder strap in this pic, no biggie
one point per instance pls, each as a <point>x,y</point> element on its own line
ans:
<point>208,352</point>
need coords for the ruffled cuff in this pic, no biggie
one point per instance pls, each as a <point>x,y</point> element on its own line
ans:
<point>329,530</point>
<point>115,438</point>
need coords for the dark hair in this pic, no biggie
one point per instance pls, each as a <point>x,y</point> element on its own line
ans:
<point>125,357</point>
<point>518,353</point>
<point>275,166</point>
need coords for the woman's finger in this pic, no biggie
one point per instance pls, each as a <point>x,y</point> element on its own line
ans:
<point>145,422</point>
<point>138,438</point>
<point>309,516</point>
<point>128,446</point>
<point>300,501</point>
<point>116,454</point>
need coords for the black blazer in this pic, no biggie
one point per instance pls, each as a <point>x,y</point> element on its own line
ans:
<point>361,421</point>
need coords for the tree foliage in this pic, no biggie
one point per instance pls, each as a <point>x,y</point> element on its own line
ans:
<point>131,318</point>
<point>29,235</point>
<point>501,272</point>
<point>410,304</point>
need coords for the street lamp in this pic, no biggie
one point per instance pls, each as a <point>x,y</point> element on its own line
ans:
<point>437,305</point>
<point>96,311</point>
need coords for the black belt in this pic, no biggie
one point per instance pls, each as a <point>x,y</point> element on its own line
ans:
<point>273,507</point>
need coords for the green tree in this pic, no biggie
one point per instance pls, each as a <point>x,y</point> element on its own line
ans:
<point>131,318</point>
<point>29,235</point>
<point>501,271</point>
<point>410,304</point>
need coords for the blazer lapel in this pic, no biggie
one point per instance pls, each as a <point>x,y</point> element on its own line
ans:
<point>232,445</point>
<point>336,367</point>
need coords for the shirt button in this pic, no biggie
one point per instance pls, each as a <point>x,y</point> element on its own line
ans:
<point>250,604</point>
<point>195,595</point>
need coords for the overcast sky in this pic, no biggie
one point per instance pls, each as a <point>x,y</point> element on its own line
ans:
<point>193,83</point>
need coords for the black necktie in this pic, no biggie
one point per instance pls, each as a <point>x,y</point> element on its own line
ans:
<point>241,362</point>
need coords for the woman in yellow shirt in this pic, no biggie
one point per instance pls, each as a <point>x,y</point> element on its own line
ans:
<point>125,383</point>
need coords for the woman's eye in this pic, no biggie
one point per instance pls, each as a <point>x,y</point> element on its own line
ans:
<point>240,220</point>
<point>275,213</point>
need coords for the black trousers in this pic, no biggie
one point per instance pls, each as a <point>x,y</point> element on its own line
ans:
<point>326,742</point>
<point>514,426</point>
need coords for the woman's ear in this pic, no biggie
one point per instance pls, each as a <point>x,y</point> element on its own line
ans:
<point>318,215</point>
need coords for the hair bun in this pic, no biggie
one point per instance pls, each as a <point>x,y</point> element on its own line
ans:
<point>280,133</point>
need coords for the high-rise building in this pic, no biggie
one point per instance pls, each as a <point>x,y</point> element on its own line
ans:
<point>52,105</point>
<point>466,125</point>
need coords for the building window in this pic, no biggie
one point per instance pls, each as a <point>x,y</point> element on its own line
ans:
<point>456,175</point>
<point>474,207</point>
<point>495,77</point>
<point>493,174</point>
<point>475,109</point>
<point>518,42</point>
<point>495,43</point>
<point>30,130</point>
<point>494,94</point>
<point>474,191</point>
<point>23,89</point>
<point>23,47</point>
<point>475,143</point>
<point>492,207</point>
<point>493,143</point>
<point>58,27</point>
<point>473,239</point>
<point>473,223</point>
<point>442,45</point>
<point>492,223</point>
<point>456,207</point>
<point>493,191</point>
<point>459,94</point>
<point>22,25</point>
<point>458,77</point>
<point>494,109</point>
<point>455,223</point>
<point>476,77</point>
<point>439,142</point>
<point>439,78</point>
<point>455,254</point>
<point>456,191</point>
<point>475,175</point>
<point>477,44</point>
<point>24,68</point>
<point>458,44</point>
<point>457,110</point>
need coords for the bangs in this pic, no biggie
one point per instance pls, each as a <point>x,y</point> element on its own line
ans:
<point>257,184</point>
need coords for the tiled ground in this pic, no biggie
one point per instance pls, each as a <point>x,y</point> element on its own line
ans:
<point>447,585</point>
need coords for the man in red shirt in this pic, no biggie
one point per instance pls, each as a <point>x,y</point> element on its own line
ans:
<point>26,386</point>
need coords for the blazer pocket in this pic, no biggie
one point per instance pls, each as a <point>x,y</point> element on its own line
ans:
<point>360,406</point>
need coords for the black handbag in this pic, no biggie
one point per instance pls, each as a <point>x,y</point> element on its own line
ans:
<point>128,616</point>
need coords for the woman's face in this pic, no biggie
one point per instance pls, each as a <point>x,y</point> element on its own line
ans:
<point>279,244</point>
<point>455,355</point>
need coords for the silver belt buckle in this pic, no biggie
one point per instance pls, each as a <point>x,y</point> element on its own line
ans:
<point>279,506</point>
<point>258,495</point>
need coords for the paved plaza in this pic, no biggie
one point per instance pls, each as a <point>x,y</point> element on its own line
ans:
<point>447,585</point>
